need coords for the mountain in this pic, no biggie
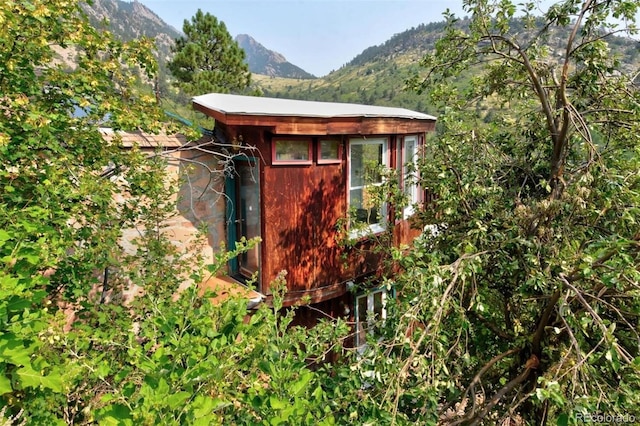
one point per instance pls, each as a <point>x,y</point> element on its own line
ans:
<point>131,20</point>
<point>378,75</point>
<point>267,62</point>
<point>375,77</point>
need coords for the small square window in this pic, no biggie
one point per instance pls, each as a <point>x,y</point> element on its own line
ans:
<point>329,151</point>
<point>289,151</point>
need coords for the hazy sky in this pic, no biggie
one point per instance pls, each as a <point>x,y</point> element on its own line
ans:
<point>316,35</point>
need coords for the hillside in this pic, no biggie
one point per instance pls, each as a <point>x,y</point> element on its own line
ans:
<point>377,76</point>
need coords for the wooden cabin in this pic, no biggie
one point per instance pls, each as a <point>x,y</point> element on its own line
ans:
<point>300,168</point>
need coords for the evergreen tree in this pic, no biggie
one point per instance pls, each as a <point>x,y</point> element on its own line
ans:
<point>207,59</point>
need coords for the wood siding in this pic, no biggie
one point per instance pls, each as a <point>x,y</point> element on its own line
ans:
<point>301,206</point>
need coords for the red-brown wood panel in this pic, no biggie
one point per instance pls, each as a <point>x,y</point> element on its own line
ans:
<point>302,206</point>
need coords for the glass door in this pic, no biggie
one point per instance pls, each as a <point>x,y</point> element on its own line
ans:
<point>243,191</point>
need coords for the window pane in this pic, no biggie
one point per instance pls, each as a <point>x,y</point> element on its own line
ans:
<point>362,309</point>
<point>372,156</point>
<point>410,174</point>
<point>371,314</point>
<point>409,166</point>
<point>377,304</point>
<point>292,151</point>
<point>366,160</point>
<point>357,166</point>
<point>410,151</point>
<point>366,211</point>
<point>355,198</point>
<point>329,150</point>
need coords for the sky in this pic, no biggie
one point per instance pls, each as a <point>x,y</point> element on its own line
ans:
<point>317,35</point>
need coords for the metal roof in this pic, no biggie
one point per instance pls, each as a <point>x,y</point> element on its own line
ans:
<point>260,106</point>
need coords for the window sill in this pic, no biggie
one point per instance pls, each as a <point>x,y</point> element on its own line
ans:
<point>291,163</point>
<point>364,233</point>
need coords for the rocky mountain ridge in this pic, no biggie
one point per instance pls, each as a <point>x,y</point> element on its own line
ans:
<point>130,20</point>
<point>267,62</point>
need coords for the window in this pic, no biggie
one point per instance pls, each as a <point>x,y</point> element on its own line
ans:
<point>410,174</point>
<point>371,311</point>
<point>366,159</point>
<point>329,151</point>
<point>289,151</point>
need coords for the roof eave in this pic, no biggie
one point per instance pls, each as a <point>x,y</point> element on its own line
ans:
<point>315,125</point>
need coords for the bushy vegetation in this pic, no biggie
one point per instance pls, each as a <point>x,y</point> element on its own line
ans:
<point>521,307</point>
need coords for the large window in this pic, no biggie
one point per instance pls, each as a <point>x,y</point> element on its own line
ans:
<point>371,311</point>
<point>367,158</point>
<point>410,174</point>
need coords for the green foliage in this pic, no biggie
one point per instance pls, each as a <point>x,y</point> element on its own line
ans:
<point>529,286</point>
<point>207,59</point>
<point>523,304</point>
<point>197,363</point>
<point>60,215</point>
<point>73,348</point>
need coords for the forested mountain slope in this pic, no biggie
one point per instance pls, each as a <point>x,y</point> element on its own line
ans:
<point>378,75</point>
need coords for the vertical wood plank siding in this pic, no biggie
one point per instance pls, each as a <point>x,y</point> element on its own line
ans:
<point>301,207</point>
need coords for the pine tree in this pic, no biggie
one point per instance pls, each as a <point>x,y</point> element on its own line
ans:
<point>207,59</point>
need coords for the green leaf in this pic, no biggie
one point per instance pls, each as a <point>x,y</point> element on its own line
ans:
<point>103,370</point>
<point>13,351</point>
<point>202,406</point>
<point>116,414</point>
<point>31,378</point>
<point>177,399</point>
<point>301,384</point>
<point>5,384</point>
<point>4,236</point>
<point>563,419</point>
<point>17,304</point>
<point>163,387</point>
<point>276,403</point>
<point>265,366</point>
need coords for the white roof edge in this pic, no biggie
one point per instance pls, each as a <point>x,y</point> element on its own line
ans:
<point>252,105</point>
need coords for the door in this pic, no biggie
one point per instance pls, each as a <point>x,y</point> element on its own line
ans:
<point>243,212</point>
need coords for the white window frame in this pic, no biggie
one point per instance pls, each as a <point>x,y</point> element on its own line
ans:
<point>380,226</point>
<point>362,330</point>
<point>410,178</point>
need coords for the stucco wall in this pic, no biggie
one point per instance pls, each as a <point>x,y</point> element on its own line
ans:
<point>199,202</point>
